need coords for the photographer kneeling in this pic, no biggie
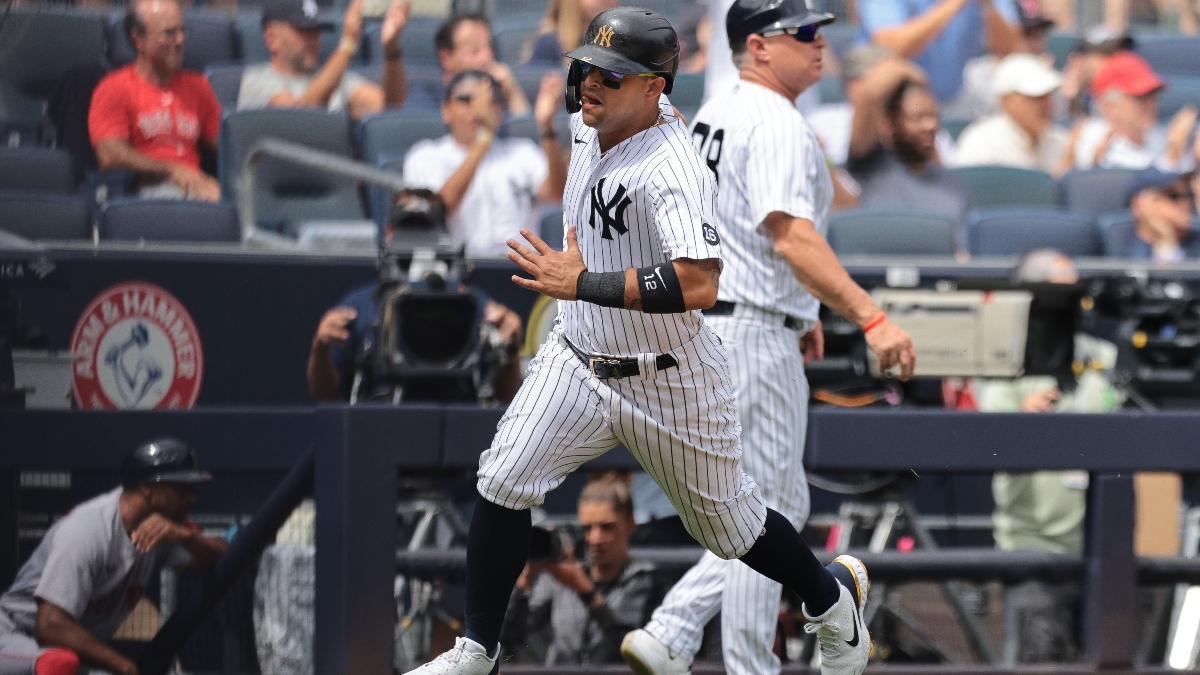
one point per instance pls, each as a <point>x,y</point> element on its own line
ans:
<point>345,358</point>
<point>590,606</point>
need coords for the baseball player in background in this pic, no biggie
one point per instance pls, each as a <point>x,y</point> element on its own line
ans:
<point>630,359</point>
<point>775,197</point>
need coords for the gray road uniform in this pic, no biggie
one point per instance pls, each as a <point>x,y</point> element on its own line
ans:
<point>86,565</point>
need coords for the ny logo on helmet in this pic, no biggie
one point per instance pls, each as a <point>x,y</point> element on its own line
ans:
<point>603,37</point>
<point>608,219</point>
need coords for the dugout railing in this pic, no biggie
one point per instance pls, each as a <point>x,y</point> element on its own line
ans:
<point>359,453</point>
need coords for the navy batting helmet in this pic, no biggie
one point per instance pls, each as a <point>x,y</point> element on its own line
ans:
<point>629,41</point>
<point>747,17</point>
<point>160,461</point>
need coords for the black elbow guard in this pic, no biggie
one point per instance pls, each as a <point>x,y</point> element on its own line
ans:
<point>660,289</point>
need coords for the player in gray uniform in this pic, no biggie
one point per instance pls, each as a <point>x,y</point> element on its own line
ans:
<point>775,197</point>
<point>630,359</point>
<point>95,563</point>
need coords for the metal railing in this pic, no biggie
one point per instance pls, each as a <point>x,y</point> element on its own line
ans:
<point>304,156</point>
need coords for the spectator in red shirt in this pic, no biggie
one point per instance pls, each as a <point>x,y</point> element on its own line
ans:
<point>150,116</point>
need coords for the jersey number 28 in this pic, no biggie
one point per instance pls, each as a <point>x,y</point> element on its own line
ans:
<point>708,144</point>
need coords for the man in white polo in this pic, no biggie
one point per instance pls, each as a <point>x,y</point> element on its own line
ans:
<point>1023,133</point>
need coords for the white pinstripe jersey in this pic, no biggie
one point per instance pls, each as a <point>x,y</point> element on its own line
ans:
<point>765,158</point>
<point>648,200</point>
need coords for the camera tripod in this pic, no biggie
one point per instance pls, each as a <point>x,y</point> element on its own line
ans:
<point>884,511</point>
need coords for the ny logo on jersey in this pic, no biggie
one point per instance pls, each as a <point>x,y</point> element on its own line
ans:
<point>603,37</point>
<point>619,202</point>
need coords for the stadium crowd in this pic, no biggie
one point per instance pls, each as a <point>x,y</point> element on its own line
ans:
<point>922,105</point>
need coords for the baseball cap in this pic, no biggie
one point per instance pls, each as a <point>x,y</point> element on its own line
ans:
<point>1104,40</point>
<point>1151,178</point>
<point>861,59</point>
<point>163,460</point>
<point>301,14</point>
<point>746,17</point>
<point>1126,72</point>
<point>1024,74</point>
<point>1031,15</point>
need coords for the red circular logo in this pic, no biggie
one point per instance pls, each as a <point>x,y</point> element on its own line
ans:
<point>136,346</point>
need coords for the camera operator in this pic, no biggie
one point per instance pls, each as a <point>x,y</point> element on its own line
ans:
<point>348,328</point>
<point>589,607</point>
<point>1044,510</point>
<point>95,563</point>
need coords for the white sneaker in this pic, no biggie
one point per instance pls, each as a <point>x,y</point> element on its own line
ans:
<point>467,658</point>
<point>841,632</point>
<point>647,656</point>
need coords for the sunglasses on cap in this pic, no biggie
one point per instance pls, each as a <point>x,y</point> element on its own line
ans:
<point>612,80</point>
<point>801,33</point>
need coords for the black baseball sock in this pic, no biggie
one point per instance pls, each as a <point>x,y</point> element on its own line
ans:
<point>781,555</point>
<point>497,548</point>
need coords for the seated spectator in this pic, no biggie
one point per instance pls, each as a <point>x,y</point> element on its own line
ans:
<point>941,35</point>
<point>465,43</point>
<point>893,150</point>
<point>1164,210</point>
<point>978,97</point>
<point>335,372</point>
<point>293,79</point>
<point>1127,133</point>
<point>867,67</point>
<point>491,185</point>
<point>1023,135</point>
<point>95,563</point>
<point>1044,510</point>
<point>588,607</point>
<point>562,29</point>
<point>150,116</point>
<point>1085,60</point>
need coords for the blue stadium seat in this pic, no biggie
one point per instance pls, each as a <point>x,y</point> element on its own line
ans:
<point>226,82</point>
<point>510,41</point>
<point>1116,231</point>
<point>36,169</point>
<point>841,36</point>
<point>550,229</point>
<point>954,126</point>
<point>1018,230</point>
<point>417,41</point>
<point>381,199</point>
<point>44,215</point>
<point>211,39</point>
<point>1171,54</point>
<point>887,232</point>
<point>1061,45</point>
<point>688,93</point>
<point>169,220</point>
<point>286,193</point>
<point>989,186</point>
<point>1181,90</point>
<point>530,79</point>
<point>22,120</point>
<point>1095,191</point>
<point>530,11</point>
<point>526,127</point>
<point>388,136</point>
<point>670,9</point>
<point>831,89</point>
<point>40,47</point>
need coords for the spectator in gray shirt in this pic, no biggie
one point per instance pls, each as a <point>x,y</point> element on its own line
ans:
<point>94,564</point>
<point>292,79</point>
<point>588,607</point>
<point>893,150</point>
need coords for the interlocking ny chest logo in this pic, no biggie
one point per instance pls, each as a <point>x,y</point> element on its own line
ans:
<point>611,212</point>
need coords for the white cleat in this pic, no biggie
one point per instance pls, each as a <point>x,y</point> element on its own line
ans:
<point>466,658</point>
<point>647,656</point>
<point>841,632</point>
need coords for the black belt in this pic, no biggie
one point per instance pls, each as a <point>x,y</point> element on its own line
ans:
<point>609,368</point>
<point>725,308</point>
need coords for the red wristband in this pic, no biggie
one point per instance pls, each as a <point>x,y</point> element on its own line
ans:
<point>874,322</point>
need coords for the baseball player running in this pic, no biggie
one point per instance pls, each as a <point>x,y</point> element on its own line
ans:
<point>773,211</point>
<point>630,359</point>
